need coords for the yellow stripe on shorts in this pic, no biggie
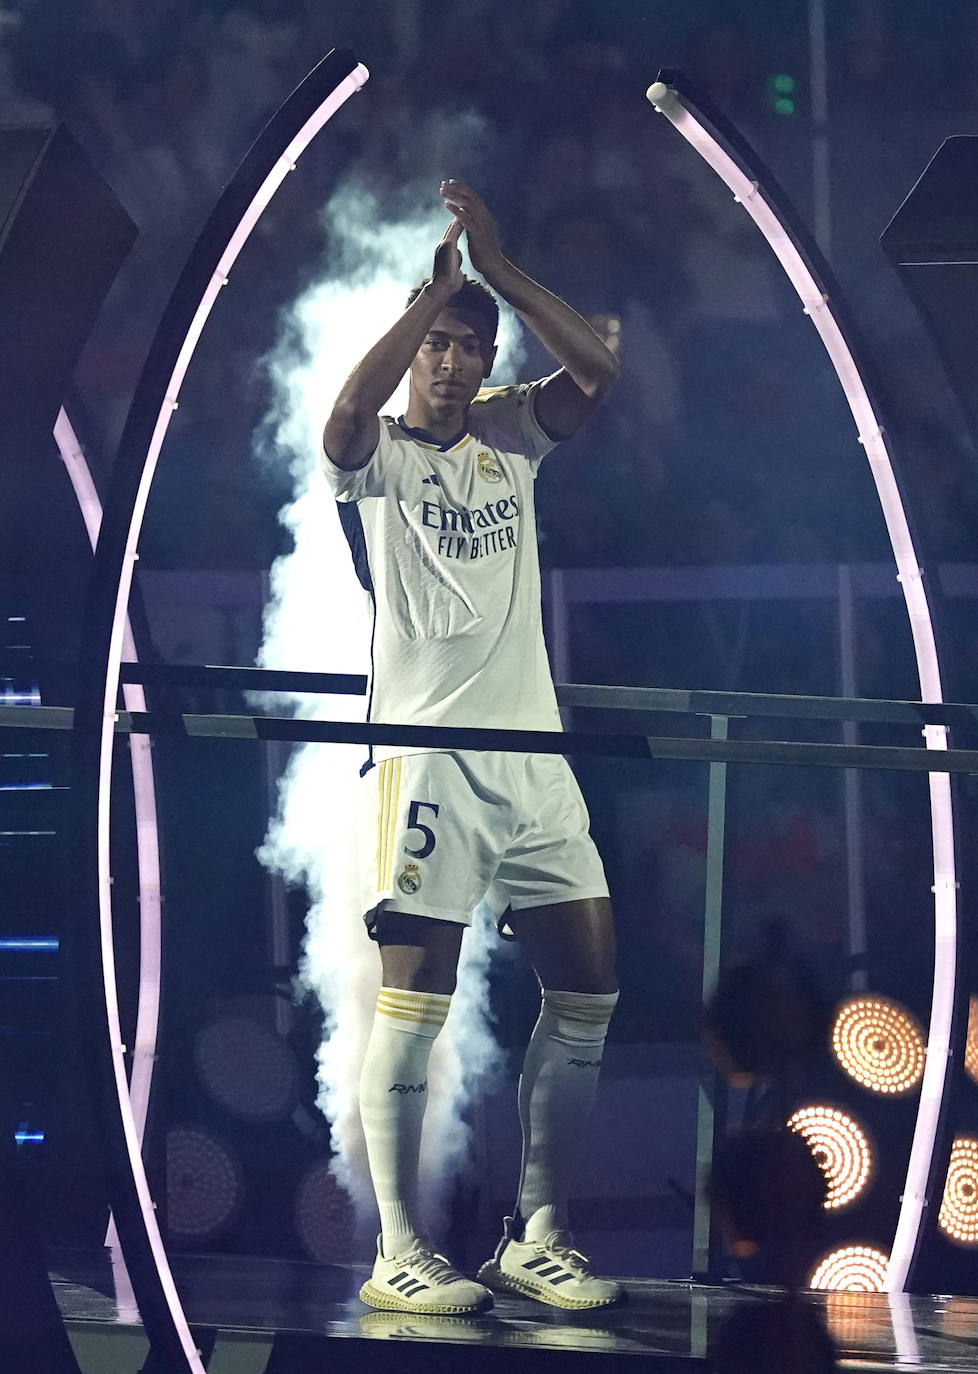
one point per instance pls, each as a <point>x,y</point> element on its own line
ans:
<point>381,777</point>
<point>389,785</point>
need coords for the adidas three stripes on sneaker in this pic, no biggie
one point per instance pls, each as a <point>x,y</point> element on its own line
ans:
<point>421,1280</point>
<point>550,1270</point>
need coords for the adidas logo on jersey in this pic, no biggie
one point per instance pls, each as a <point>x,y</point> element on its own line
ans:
<point>431,481</point>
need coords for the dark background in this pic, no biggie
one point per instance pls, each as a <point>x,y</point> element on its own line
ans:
<point>728,442</point>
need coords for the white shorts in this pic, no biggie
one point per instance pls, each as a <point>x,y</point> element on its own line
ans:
<point>441,832</point>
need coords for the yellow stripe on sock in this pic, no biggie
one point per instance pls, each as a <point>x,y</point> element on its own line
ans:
<point>418,1007</point>
<point>409,998</point>
<point>421,1012</point>
<point>413,1017</point>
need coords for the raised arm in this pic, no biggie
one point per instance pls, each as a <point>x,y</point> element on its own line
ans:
<point>588,368</point>
<point>352,430</point>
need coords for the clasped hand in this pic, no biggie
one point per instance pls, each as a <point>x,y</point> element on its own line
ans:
<point>472,213</point>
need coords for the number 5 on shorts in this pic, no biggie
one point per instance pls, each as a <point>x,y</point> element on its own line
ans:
<point>427,832</point>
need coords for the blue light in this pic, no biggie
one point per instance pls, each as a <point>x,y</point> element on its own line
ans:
<point>30,942</point>
<point>26,787</point>
<point>28,1137</point>
<point>9,697</point>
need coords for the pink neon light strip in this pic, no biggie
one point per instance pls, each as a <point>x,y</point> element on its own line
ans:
<point>144,795</point>
<point>117,647</point>
<point>933,1086</point>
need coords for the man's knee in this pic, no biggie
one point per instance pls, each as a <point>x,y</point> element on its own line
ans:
<point>418,954</point>
<point>570,945</point>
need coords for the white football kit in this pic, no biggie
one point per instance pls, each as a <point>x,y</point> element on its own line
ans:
<point>444,538</point>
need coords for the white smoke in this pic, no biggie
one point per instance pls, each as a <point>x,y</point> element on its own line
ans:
<point>319,619</point>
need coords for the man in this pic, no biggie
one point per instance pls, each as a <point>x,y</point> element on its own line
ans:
<point>438,507</point>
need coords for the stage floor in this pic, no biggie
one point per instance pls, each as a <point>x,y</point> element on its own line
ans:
<point>253,1315</point>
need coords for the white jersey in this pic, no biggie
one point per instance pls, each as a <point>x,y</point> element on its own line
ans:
<point>448,536</point>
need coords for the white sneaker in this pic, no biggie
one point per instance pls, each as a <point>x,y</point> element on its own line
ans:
<point>419,1280</point>
<point>550,1270</point>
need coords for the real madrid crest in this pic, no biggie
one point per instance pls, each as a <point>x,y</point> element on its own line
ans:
<point>409,880</point>
<point>490,468</point>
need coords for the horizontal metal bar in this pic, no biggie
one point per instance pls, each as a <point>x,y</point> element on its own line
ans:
<point>244,679</point>
<point>37,717</point>
<point>678,700</point>
<point>514,741</point>
<point>553,742</point>
<point>705,703</point>
<point>682,701</point>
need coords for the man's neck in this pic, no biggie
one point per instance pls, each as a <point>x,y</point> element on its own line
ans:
<point>440,430</point>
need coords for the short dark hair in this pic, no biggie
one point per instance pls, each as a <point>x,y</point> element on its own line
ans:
<point>471,299</point>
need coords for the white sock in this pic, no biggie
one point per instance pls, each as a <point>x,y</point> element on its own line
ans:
<point>393,1094</point>
<point>557,1087</point>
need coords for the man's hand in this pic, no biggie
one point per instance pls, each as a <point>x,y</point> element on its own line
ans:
<point>447,272</point>
<point>471,211</point>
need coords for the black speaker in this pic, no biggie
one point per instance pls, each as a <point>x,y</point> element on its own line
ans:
<point>932,241</point>
<point>63,237</point>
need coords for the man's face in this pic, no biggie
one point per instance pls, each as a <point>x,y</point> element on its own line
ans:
<point>451,365</point>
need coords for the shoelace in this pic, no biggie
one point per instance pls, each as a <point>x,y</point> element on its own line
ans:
<point>571,1257</point>
<point>430,1265</point>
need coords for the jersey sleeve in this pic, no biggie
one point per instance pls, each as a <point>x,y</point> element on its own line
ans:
<point>370,479</point>
<point>505,418</point>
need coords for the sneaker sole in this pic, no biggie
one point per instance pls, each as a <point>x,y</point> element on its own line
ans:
<point>388,1302</point>
<point>493,1277</point>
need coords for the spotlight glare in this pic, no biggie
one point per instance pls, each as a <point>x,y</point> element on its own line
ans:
<point>958,1217</point>
<point>853,1318</point>
<point>879,1044</point>
<point>839,1146</point>
<point>853,1269</point>
<point>971,1044</point>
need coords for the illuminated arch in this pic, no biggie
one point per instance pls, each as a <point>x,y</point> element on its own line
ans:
<point>250,191</point>
<point>144,806</point>
<point>738,166</point>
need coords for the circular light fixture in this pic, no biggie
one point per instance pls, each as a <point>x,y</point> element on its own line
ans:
<point>247,1068</point>
<point>839,1146</point>
<point>204,1185</point>
<point>958,1217</point>
<point>324,1216</point>
<point>971,1044</point>
<point>879,1044</point>
<point>853,1269</point>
